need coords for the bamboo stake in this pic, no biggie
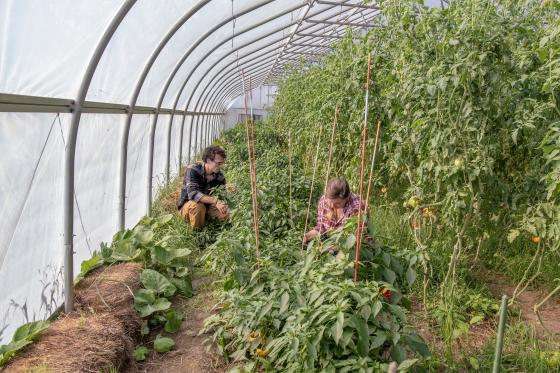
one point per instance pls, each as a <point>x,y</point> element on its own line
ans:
<point>254,175</point>
<point>290,171</point>
<point>249,154</point>
<point>371,174</point>
<point>331,148</point>
<point>312,184</point>
<point>358,234</point>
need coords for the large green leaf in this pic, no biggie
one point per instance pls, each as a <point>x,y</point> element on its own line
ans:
<point>163,344</point>
<point>398,353</point>
<point>157,282</point>
<point>389,275</point>
<point>30,330</point>
<point>417,344</point>
<point>140,353</point>
<point>9,350</point>
<point>146,302</point>
<point>125,250</point>
<point>284,302</point>
<point>363,335</point>
<point>173,321</point>
<point>410,276</point>
<point>379,339</point>
<point>338,327</point>
<point>183,285</point>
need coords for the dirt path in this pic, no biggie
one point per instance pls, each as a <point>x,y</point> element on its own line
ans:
<point>190,354</point>
<point>549,312</point>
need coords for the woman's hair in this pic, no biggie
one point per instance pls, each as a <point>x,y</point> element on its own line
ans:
<point>337,188</point>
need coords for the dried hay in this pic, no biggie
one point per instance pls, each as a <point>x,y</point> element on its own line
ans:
<point>98,336</point>
<point>111,289</point>
<point>168,202</point>
<point>85,342</point>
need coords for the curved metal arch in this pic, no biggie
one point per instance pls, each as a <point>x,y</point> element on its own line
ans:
<point>180,91</point>
<point>197,118</point>
<point>126,130</point>
<point>260,66</point>
<point>233,74</point>
<point>298,49</point>
<point>70,155</point>
<point>262,72</point>
<point>186,55</point>
<point>180,63</point>
<point>234,90</point>
<point>233,50</point>
<point>226,83</point>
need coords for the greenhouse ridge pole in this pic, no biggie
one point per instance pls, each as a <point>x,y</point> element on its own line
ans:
<point>70,156</point>
<point>309,6</point>
<point>303,28</point>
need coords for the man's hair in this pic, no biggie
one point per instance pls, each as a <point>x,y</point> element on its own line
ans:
<point>211,151</point>
<point>337,188</point>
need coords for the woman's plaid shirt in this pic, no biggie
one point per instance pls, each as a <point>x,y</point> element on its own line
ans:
<point>326,215</point>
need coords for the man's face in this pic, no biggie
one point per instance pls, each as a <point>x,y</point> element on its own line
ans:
<point>216,164</point>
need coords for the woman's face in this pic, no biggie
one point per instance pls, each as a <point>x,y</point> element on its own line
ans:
<point>338,203</point>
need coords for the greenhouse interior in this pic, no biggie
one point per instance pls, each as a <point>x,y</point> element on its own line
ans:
<point>280,186</point>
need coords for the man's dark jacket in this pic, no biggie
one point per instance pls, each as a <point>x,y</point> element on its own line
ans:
<point>196,183</point>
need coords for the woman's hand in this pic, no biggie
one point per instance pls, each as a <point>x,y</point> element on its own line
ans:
<point>312,234</point>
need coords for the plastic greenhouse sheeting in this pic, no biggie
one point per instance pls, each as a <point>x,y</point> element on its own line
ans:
<point>151,72</point>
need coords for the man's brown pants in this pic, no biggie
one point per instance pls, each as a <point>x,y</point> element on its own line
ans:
<point>197,213</point>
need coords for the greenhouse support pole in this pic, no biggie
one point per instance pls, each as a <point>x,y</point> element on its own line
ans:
<point>500,337</point>
<point>70,156</point>
<point>181,134</point>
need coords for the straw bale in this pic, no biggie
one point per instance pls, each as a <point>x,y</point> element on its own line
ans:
<point>98,336</point>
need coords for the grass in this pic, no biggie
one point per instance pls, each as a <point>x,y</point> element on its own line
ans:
<point>523,352</point>
<point>473,351</point>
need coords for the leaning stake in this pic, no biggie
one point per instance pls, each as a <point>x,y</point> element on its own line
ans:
<point>500,338</point>
<point>358,233</point>
<point>250,158</point>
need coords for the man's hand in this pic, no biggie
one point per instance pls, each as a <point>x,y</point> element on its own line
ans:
<point>222,207</point>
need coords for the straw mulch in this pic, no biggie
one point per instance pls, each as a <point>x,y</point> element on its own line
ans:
<point>98,336</point>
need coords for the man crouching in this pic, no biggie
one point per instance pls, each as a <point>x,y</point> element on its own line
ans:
<point>196,205</point>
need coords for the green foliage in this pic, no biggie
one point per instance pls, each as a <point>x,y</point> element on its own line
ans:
<point>87,266</point>
<point>173,322</point>
<point>468,100</point>
<point>23,336</point>
<point>163,344</point>
<point>140,353</point>
<point>290,312</point>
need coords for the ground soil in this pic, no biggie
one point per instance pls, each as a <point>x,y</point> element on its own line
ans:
<point>191,353</point>
<point>549,312</point>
